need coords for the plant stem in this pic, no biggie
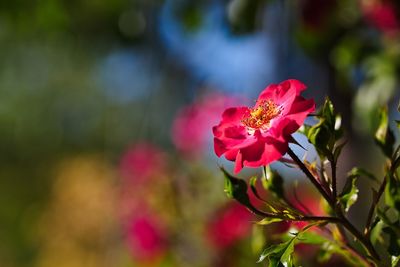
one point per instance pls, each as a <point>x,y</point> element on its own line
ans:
<point>357,254</point>
<point>375,200</point>
<point>334,183</point>
<point>363,239</point>
<point>341,219</point>
<point>298,219</point>
<point>374,203</point>
<point>323,180</point>
<point>310,176</point>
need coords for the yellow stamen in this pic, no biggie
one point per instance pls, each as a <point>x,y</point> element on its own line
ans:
<point>260,116</point>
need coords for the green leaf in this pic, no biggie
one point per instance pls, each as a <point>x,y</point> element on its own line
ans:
<point>273,182</point>
<point>394,241</point>
<point>383,215</point>
<point>327,131</point>
<point>395,260</point>
<point>376,231</point>
<point>312,238</point>
<point>338,129</point>
<point>329,248</point>
<point>236,188</point>
<point>279,254</point>
<point>396,162</point>
<point>337,151</point>
<point>282,254</point>
<point>392,192</point>
<point>320,136</point>
<point>274,207</point>
<point>360,172</point>
<point>384,136</point>
<point>333,120</point>
<point>349,194</point>
<point>392,229</point>
<point>258,239</point>
<point>253,187</point>
<point>268,220</point>
<point>326,251</point>
<point>304,129</point>
<point>328,112</point>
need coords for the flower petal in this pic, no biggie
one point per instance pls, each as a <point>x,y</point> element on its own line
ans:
<point>296,84</point>
<point>298,113</point>
<point>277,92</point>
<point>269,92</point>
<point>260,154</point>
<point>302,105</point>
<point>234,115</point>
<point>264,154</point>
<point>231,154</point>
<point>238,163</point>
<point>293,118</point>
<point>219,147</point>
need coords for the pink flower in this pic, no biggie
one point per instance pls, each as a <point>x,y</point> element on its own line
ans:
<point>191,127</point>
<point>313,205</point>
<point>145,238</point>
<point>140,167</point>
<point>232,224</point>
<point>381,14</point>
<point>142,161</point>
<point>257,136</point>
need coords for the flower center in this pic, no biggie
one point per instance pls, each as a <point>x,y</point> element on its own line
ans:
<point>261,115</point>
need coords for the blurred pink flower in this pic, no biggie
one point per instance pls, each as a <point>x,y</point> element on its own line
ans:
<point>231,224</point>
<point>191,127</point>
<point>145,238</point>
<point>310,205</point>
<point>140,167</point>
<point>142,161</point>
<point>381,14</point>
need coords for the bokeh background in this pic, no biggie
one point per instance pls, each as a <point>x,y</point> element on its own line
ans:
<point>106,109</point>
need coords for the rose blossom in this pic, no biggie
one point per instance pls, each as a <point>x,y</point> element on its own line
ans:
<point>381,14</point>
<point>141,162</point>
<point>232,224</point>
<point>257,136</point>
<point>191,127</point>
<point>142,165</point>
<point>145,238</point>
<point>310,204</point>
<point>143,234</point>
